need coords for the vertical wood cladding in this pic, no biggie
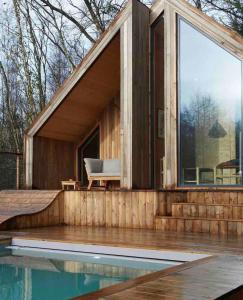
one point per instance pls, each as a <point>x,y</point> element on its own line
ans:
<point>53,161</point>
<point>135,107</point>
<point>128,209</point>
<point>110,131</point>
<point>140,109</point>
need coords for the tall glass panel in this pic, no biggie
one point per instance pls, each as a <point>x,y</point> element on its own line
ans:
<point>209,94</point>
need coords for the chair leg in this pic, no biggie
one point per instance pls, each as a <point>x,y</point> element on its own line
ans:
<point>106,184</point>
<point>90,184</point>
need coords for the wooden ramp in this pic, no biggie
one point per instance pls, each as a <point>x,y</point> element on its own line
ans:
<point>29,208</point>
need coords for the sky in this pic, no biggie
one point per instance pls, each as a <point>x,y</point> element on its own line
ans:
<point>206,69</point>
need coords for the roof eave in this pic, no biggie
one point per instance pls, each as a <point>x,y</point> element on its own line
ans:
<point>80,70</point>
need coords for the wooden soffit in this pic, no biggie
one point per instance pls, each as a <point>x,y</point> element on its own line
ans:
<point>81,108</point>
<point>94,79</point>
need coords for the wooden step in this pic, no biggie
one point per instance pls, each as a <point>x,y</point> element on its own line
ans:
<point>200,225</point>
<point>215,197</point>
<point>211,211</point>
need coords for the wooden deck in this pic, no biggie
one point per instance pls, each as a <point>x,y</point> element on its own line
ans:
<point>209,278</point>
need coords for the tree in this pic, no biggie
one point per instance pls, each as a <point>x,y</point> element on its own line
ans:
<point>42,41</point>
<point>227,12</point>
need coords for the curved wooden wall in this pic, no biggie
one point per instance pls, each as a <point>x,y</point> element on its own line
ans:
<point>25,209</point>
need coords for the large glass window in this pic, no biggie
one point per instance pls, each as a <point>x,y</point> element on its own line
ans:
<point>209,95</point>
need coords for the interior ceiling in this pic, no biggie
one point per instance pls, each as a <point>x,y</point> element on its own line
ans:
<point>82,107</point>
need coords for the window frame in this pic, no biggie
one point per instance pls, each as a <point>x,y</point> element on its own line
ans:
<point>180,18</point>
<point>152,98</point>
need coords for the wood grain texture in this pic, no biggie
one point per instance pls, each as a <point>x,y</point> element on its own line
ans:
<point>110,137</point>
<point>213,212</point>
<point>85,102</point>
<point>53,161</point>
<point>141,164</point>
<point>135,125</point>
<point>217,211</point>
<point>200,225</point>
<point>126,103</point>
<point>82,68</point>
<point>170,176</point>
<point>128,209</point>
<point>25,209</point>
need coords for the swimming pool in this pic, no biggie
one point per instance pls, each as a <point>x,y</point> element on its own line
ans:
<point>35,274</point>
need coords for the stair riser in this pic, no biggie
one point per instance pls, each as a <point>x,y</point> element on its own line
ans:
<point>200,226</point>
<point>208,211</point>
<point>233,198</point>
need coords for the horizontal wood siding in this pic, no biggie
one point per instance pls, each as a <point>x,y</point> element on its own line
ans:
<point>53,161</point>
<point>128,209</point>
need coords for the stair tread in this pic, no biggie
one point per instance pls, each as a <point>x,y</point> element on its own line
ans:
<point>198,218</point>
<point>206,204</point>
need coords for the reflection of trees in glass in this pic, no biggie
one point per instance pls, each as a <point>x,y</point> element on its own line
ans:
<point>202,111</point>
<point>196,119</point>
<point>199,147</point>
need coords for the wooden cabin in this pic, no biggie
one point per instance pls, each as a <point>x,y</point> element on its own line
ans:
<point>161,91</point>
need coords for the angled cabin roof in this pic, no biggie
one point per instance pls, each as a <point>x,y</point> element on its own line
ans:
<point>86,92</point>
<point>93,82</point>
<point>84,103</point>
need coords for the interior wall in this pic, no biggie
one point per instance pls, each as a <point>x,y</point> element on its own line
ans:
<point>110,131</point>
<point>53,161</point>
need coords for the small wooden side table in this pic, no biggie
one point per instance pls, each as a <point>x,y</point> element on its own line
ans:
<point>70,183</point>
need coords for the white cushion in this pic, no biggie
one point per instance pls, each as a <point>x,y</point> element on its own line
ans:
<point>93,165</point>
<point>111,166</point>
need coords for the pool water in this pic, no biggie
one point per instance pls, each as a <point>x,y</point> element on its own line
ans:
<point>29,274</point>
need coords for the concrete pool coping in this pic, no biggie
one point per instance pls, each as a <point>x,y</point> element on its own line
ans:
<point>109,250</point>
